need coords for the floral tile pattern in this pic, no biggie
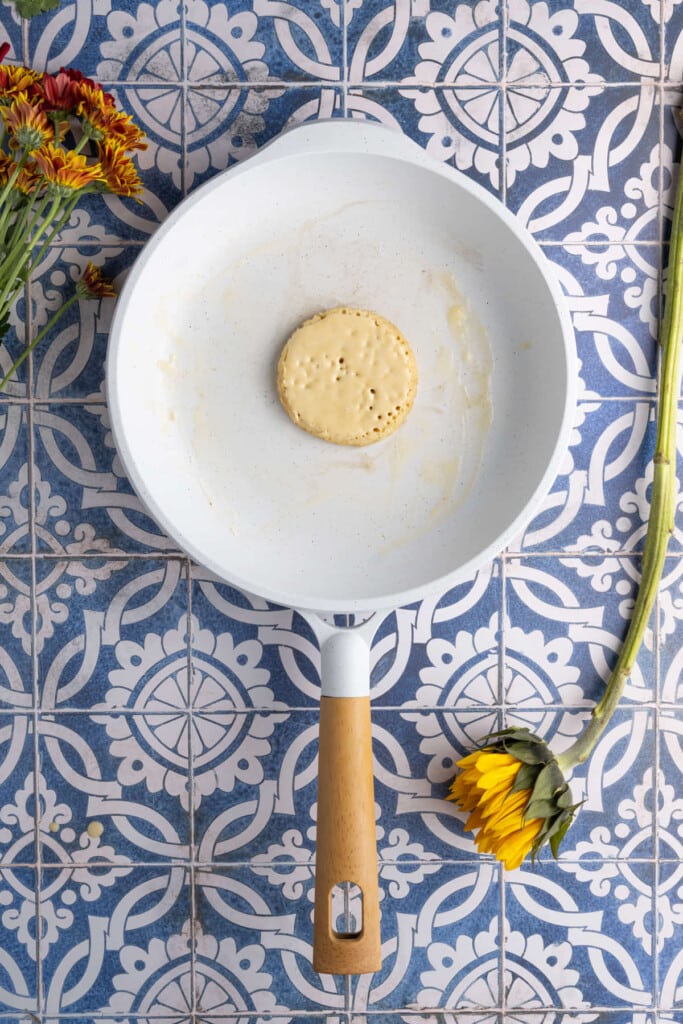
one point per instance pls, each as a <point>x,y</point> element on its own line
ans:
<point>159,729</point>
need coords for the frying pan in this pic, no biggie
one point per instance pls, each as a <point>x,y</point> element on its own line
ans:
<point>341,213</point>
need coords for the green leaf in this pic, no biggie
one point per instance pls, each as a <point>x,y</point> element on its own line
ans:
<point>528,753</point>
<point>525,778</point>
<point>557,837</point>
<point>28,8</point>
<point>540,808</point>
<point>549,783</point>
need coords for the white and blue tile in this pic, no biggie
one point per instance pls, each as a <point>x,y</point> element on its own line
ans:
<point>599,500</point>
<point>612,291</point>
<point>157,835</point>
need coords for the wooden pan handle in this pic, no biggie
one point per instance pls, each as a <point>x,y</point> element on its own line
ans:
<point>346,843</point>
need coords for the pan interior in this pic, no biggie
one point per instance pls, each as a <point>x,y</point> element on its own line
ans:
<point>213,455</point>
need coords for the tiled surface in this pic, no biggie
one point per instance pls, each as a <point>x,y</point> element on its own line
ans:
<point>158,730</point>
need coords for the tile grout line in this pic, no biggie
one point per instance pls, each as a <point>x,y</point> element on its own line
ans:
<point>190,799</point>
<point>345,59</point>
<point>34,646</point>
<point>502,695</point>
<point>502,70</point>
<point>657,609</point>
<point>185,177</point>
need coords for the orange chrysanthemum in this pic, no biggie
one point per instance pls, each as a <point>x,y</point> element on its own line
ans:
<point>102,121</point>
<point>7,166</point>
<point>27,123</point>
<point>65,169</point>
<point>29,180</point>
<point>94,285</point>
<point>118,172</point>
<point>122,130</point>
<point>14,79</point>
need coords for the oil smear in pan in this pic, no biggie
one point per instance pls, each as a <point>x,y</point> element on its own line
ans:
<point>455,411</point>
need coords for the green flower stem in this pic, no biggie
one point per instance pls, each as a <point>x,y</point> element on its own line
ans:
<point>9,213</point>
<point>63,218</point>
<point>663,501</point>
<point>15,232</point>
<point>13,177</point>
<point>38,338</point>
<point>13,264</point>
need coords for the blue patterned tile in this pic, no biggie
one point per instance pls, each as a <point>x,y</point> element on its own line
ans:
<point>129,946</point>
<point>668,618</point>
<point>84,503</point>
<point>11,33</point>
<point>18,836</point>
<point>566,621</point>
<point>126,646</point>
<point>616,789</point>
<point>670,158</point>
<point>18,967</point>
<point>135,41</point>
<point>415,756</point>
<point>248,654</point>
<point>12,348</point>
<point>328,1018</point>
<point>673,44</point>
<point>445,652</point>
<point>69,361</point>
<point>16,639</point>
<point>553,941</point>
<point>588,167</point>
<point>430,43</point>
<point>17,596</point>
<point>227,125</point>
<point>613,293</point>
<point>255,784</point>
<point>254,941</point>
<point>582,42</point>
<point>114,788</point>
<point>15,516</point>
<point>176,710</point>
<point>444,949</point>
<point>599,501</point>
<point>263,39</point>
<point>670,832</point>
<point>442,121</point>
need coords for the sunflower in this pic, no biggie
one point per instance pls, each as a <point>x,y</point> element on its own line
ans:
<point>516,797</point>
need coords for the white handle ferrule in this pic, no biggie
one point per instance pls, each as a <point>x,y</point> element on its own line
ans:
<point>345,665</point>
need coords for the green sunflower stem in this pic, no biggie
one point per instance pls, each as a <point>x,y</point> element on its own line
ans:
<point>663,501</point>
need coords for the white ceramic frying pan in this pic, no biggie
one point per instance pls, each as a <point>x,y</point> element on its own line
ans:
<point>341,213</point>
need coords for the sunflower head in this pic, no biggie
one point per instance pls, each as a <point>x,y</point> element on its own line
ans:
<point>516,796</point>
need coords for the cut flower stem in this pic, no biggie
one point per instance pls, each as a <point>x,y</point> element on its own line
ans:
<point>662,504</point>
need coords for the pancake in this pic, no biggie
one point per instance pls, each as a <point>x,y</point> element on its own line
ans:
<point>347,376</point>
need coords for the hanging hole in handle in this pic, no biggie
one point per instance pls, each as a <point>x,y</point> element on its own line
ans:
<point>346,910</point>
